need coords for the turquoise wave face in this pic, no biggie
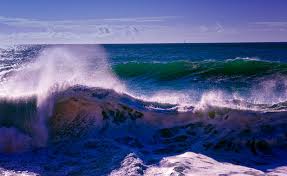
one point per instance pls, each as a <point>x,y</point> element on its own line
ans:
<point>169,71</point>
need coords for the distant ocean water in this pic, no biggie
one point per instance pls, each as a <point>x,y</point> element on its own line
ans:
<point>145,102</point>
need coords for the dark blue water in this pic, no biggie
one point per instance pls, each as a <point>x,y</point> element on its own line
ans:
<point>197,52</point>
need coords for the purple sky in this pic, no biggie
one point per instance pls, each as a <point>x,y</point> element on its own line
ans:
<point>145,21</point>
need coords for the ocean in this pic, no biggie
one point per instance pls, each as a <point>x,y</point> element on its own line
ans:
<point>143,109</point>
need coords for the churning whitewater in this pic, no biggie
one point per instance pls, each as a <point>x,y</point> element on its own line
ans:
<point>140,110</point>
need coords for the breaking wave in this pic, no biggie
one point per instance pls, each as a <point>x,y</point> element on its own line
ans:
<point>62,100</point>
<point>27,91</point>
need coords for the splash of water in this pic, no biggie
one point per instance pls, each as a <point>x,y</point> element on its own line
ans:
<point>55,69</point>
<point>58,67</point>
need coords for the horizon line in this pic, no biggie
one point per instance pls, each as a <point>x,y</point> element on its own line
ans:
<point>147,43</point>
